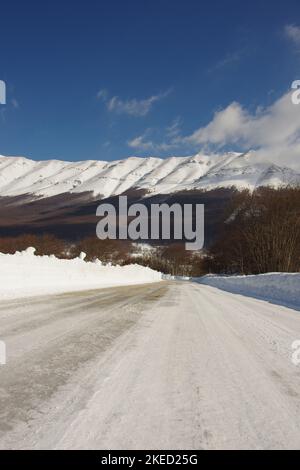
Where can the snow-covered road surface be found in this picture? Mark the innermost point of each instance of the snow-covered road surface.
(172, 365)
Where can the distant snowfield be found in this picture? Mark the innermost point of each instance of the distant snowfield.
(20, 176)
(280, 288)
(24, 275)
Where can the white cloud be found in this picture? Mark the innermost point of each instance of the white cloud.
(275, 124)
(171, 140)
(273, 131)
(226, 125)
(102, 94)
(231, 58)
(174, 129)
(132, 107)
(292, 32)
(145, 143)
(140, 143)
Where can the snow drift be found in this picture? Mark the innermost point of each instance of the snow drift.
(25, 274)
(280, 288)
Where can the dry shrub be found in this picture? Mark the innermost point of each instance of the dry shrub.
(262, 234)
(45, 244)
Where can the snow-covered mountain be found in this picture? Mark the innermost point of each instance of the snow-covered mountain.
(19, 175)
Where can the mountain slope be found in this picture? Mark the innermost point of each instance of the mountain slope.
(19, 175)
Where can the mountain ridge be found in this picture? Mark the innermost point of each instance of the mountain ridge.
(154, 175)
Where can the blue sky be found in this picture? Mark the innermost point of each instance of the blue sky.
(109, 79)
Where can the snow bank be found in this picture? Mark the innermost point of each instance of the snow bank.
(25, 274)
(281, 288)
(170, 277)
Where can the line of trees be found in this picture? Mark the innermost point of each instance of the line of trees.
(174, 259)
(261, 233)
(169, 259)
(113, 251)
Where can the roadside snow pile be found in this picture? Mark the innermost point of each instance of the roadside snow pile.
(170, 277)
(282, 288)
(25, 274)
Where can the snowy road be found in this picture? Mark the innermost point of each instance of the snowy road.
(159, 366)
